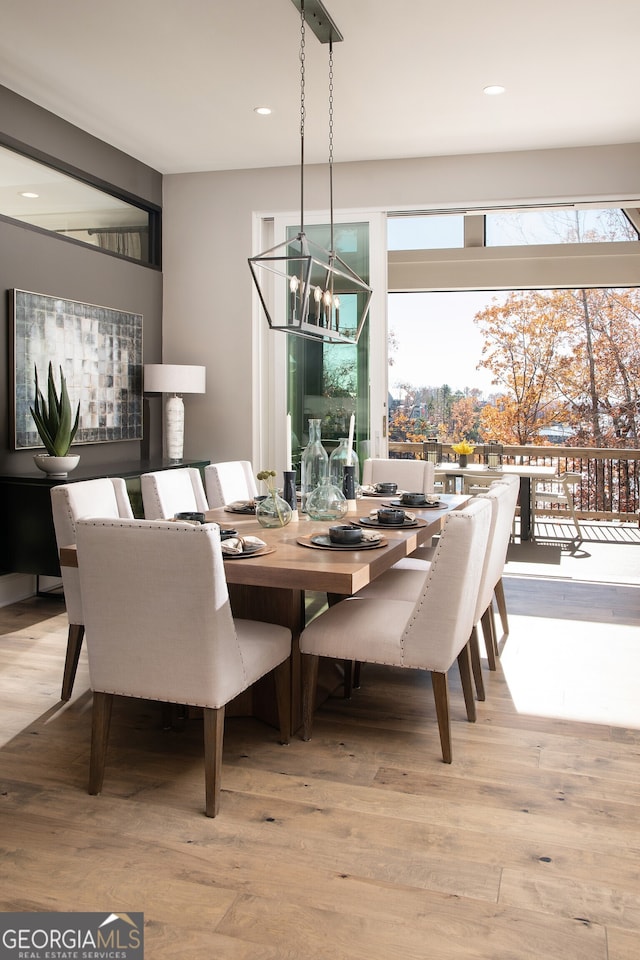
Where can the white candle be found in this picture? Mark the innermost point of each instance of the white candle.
(352, 423)
(288, 441)
(336, 303)
(317, 296)
(293, 287)
(327, 308)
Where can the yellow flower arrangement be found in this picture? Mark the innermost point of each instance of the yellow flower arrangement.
(463, 449)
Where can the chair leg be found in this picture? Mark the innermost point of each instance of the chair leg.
(74, 646)
(488, 632)
(464, 665)
(356, 674)
(213, 737)
(474, 649)
(347, 665)
(441, 697)
(282, 675)
(502, 606)
(573, 515)
(309, 683)
(100, 722)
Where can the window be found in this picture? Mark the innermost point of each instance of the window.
(48, 199)
(331, 381)
(433, 232)
(558, 226)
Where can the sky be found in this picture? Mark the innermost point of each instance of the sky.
(438, 342)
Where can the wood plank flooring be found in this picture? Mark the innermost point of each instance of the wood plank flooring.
(359, 845)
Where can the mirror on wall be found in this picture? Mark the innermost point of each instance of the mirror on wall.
(41, 196)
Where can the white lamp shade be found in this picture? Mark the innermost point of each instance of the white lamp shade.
(174, 378)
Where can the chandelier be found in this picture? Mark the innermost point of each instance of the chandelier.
(304, 289)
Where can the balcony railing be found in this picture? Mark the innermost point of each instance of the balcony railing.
(609, 488)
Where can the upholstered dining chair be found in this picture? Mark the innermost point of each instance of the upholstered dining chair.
(104, 497)
(503, 497)
(426, 633)
(416, 476)
(406, 578)
(167, 492)
(503, 538)
(160, 627)
(229, 481)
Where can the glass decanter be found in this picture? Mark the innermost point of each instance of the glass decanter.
(327, 502)
(314, 463)
(342, 457)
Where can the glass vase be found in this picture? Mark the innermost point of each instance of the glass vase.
(273, 511)
(327, 502)
(314, 463)
(343, 456)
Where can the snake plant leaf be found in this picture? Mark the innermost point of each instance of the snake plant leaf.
(53, 416)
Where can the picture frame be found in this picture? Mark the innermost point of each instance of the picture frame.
(100, 352)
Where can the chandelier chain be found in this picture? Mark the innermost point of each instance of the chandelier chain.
(303, 111)
(331, 242)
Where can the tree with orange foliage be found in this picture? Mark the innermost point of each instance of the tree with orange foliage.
(525, 348)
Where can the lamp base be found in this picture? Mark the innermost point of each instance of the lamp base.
(174, 429)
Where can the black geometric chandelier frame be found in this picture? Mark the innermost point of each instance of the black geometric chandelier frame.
(305, 290)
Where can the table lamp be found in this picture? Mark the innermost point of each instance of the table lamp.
(173, 379)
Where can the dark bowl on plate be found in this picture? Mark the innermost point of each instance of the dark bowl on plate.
(345, 533)
(190, 516)
(387, 488)
(413, 499)
(389, 515)
(226, 534)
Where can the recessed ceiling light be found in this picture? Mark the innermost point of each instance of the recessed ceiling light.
(263, 111)
(30, 195)
(493, 90)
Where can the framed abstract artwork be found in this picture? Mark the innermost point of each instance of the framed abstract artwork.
(100, 352)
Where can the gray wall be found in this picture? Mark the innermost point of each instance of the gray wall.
(208, 237)
(42, 263)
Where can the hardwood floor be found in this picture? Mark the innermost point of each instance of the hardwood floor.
(360, 844)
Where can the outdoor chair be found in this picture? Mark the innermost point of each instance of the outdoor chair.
(556, 492)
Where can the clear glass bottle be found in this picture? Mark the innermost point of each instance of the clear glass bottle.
(314, 463)
(327, 502)
(340, 458)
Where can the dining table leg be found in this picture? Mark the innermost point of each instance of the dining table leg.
(285, 607)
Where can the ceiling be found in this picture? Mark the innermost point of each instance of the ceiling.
(175, 84)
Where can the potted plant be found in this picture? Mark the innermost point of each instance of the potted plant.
(55, 425)
(464, 449)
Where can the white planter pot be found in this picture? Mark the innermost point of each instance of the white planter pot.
(56, 466)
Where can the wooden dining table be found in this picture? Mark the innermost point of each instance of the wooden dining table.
(273, 586)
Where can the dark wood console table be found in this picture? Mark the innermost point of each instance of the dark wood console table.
(27, 536)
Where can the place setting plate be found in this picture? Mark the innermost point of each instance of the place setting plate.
(322, 541)
(405, 525)
(416, 506)
(250, 550)
(241, 506)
